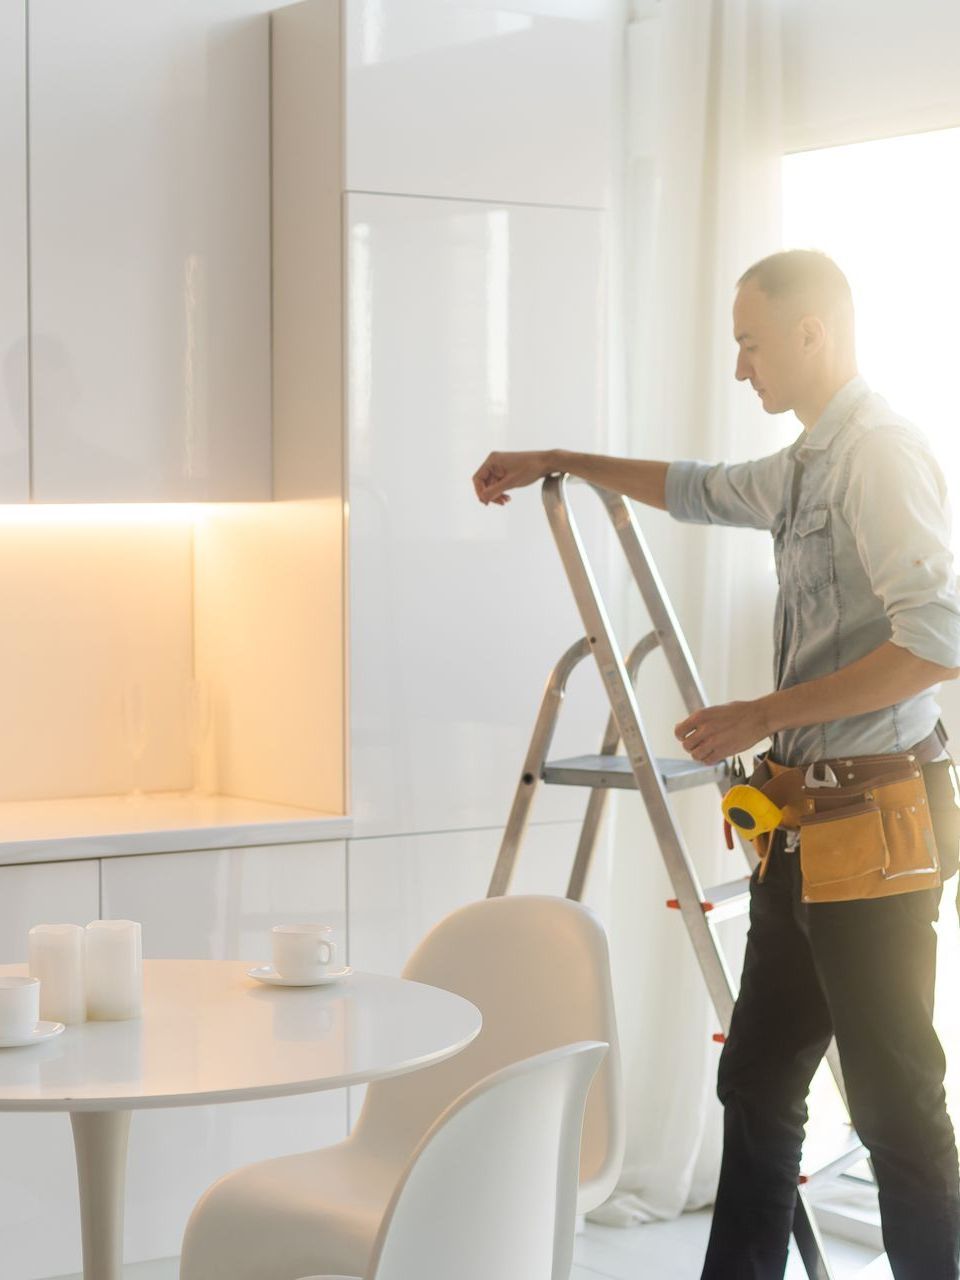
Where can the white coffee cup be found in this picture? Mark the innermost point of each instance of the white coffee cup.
(19, 1007)
(302, 952)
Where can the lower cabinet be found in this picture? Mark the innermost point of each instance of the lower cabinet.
(39, 1214)
(220, 905)
(217, 904)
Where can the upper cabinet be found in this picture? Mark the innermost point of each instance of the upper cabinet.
(476, 99)
(14, 412)
(148, 374)
(150, 249)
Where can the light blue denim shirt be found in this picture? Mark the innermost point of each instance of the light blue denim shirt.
(864, 558)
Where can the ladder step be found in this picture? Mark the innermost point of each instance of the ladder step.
(723, 901)
(851, 1152)
(615, 772)
(879, 1269)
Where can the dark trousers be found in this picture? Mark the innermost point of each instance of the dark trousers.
(863, 971)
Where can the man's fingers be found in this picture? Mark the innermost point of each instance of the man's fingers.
(489, 483)
(686, 727)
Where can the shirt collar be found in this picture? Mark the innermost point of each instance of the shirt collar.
(835, 416)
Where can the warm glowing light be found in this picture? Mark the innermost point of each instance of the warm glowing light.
(99, 514)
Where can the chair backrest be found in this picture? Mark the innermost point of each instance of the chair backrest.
(538, 969)
(491, 1191)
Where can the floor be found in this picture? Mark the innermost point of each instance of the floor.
(657, 1251)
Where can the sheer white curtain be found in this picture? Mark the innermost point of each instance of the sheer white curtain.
(701, 204)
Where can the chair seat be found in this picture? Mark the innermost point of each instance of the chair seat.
(275, 1219)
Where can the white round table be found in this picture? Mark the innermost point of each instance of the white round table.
(211, 1034)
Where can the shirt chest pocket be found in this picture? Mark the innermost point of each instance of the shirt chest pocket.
(813, 548)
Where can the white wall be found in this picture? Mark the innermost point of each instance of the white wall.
(858, 69)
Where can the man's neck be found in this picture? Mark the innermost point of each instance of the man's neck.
(811, 411)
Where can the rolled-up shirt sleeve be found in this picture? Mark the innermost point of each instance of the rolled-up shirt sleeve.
(897, 507)
(747, 494)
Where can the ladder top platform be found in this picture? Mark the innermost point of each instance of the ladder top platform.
(616, 771)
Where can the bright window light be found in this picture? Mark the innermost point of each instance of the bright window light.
(888, 212)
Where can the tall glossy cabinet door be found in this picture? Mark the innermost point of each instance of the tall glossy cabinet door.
(472, 327)
(150, 250)
(483, 100)
(14, 394)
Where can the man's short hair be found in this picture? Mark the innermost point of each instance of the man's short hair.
(805, 277)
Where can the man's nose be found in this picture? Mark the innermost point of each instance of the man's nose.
(742, 372)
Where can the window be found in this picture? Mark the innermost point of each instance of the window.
(889, 213)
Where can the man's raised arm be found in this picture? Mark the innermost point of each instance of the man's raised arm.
(642, 481)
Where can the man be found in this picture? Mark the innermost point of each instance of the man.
(867, 624)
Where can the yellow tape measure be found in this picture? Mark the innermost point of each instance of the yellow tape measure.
(750, 811)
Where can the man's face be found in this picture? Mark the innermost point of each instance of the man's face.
(770, 349)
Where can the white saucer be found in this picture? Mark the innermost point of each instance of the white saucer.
(42, 1031)
(267, 973)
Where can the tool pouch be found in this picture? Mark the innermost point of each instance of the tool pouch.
(782, 786)
(871, 836)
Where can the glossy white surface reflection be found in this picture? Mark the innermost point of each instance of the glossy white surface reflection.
(473, 327)
(105, 826)
(150, 250)
(62, 893)
(478, 99)
(209, 1033)
(14, 421)
(222, 904)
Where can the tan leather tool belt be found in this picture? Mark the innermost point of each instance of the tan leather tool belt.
(864, 823)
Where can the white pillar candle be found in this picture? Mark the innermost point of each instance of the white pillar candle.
(56, 958)
(114, 970)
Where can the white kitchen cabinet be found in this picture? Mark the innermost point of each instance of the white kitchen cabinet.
(401, 886)
(14, 393)
(38, 1172)
(220, 905)
(150, 250)
(472, 327)
(54, 893)
(481, 100)
(459, 326)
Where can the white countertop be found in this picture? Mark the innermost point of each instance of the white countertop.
(108, 826)
(211, 1034)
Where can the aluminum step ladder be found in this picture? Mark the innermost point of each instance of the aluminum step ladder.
(656, 779)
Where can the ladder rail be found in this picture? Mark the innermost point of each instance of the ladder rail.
(649, 583)
(547, 717)
(625, 726)
(532, 772)
(596, 805)
(600, 637)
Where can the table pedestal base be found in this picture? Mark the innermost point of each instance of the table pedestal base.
(100, 1140)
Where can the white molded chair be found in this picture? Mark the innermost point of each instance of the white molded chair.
(538, 969)
(491, 1192)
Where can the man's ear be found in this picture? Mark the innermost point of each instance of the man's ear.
(813, 334)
